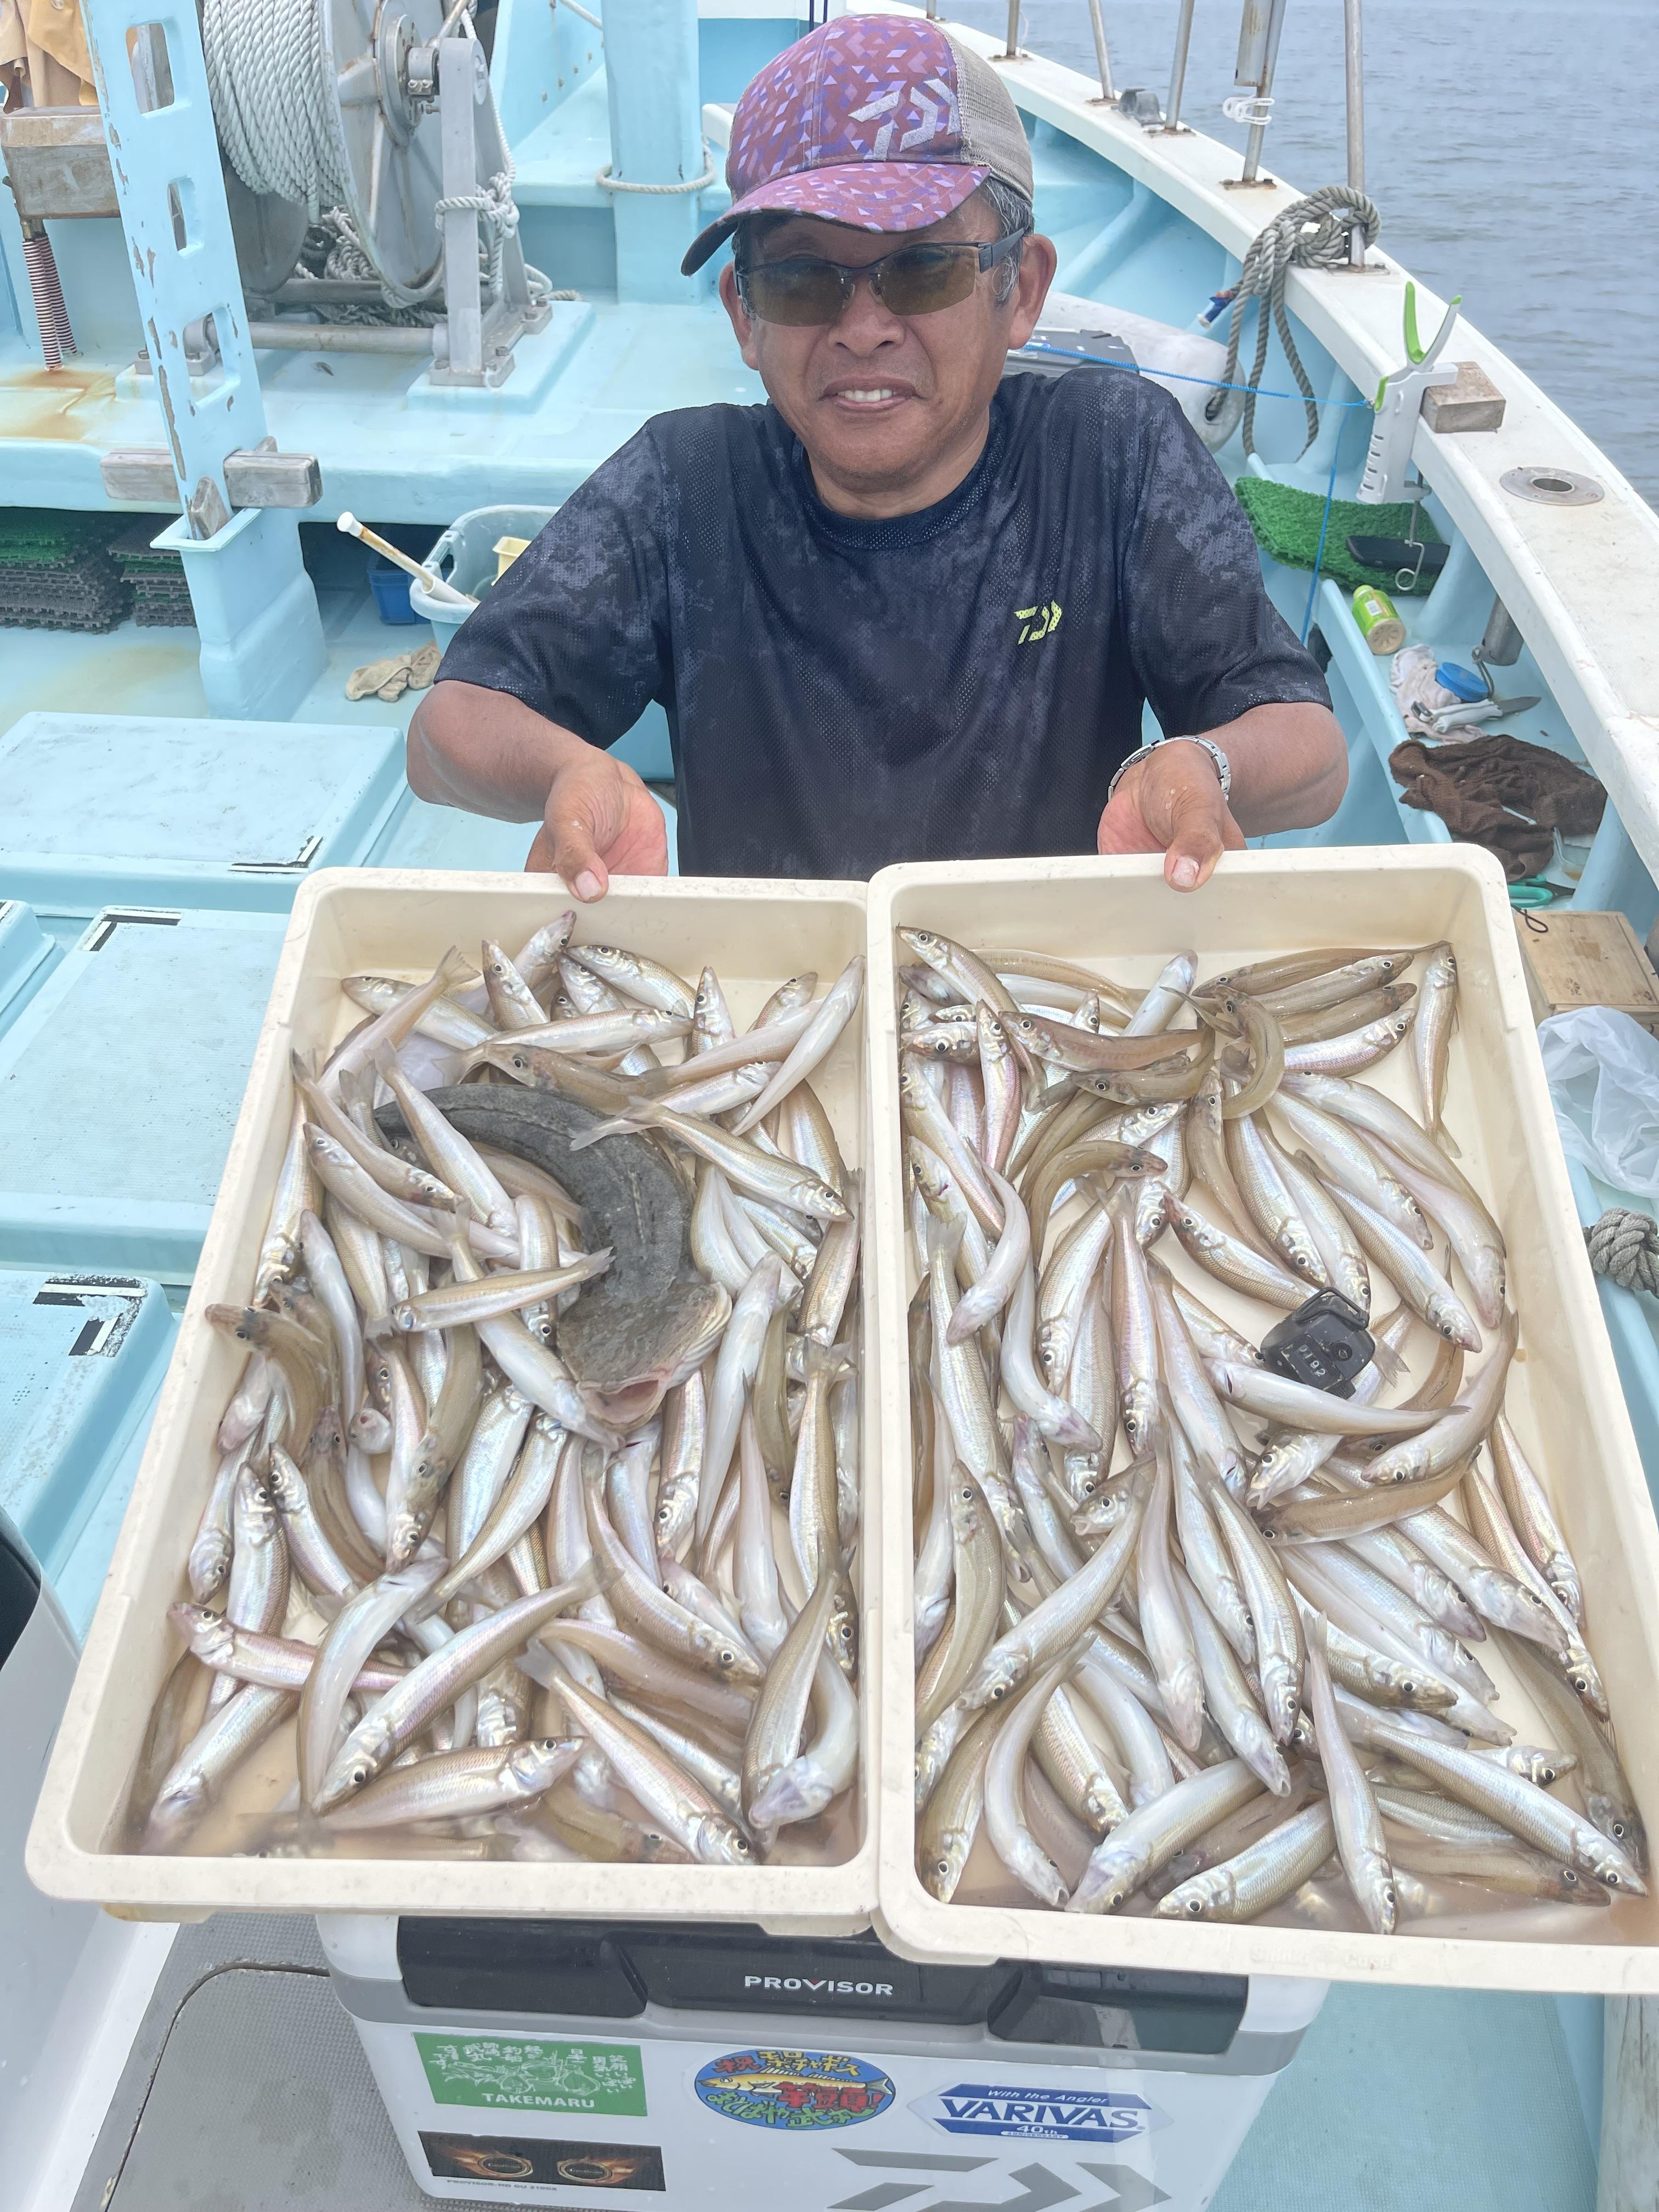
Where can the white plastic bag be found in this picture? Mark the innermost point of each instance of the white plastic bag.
(1603, 1070)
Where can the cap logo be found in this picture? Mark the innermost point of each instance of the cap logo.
(929, 110)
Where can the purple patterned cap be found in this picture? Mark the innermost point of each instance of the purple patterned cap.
(884, 122)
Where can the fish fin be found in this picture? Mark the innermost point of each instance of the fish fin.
(455, 969)
(307, 1067)
(1388, 1364)
(1447, 1144)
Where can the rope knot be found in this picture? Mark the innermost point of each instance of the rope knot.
(1311, 234)
(1624, 1246)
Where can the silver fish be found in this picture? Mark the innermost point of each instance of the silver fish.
(1359, 1835)
(1154, 1833)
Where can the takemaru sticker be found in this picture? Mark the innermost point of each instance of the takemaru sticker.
(794, 2089)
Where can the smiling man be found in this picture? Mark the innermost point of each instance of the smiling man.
(907, 610)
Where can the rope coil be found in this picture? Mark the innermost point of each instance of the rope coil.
(1624, 1246)
(1314, 233)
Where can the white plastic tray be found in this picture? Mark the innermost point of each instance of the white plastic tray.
(757, 934)
(1564, 1393)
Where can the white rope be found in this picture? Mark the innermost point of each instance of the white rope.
(268, 82)
(607, 183)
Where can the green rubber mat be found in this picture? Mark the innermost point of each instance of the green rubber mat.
(1287, 523)
(45, 536)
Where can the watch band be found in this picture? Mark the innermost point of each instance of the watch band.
(1222, 764)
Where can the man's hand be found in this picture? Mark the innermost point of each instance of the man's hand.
(1289, 768)
(1171, 803)
(483, 750)
(599, 819)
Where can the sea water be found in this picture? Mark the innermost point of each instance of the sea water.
(1509, 144)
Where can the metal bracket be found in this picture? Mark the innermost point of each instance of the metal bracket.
(262, 477)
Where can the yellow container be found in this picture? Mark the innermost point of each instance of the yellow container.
(1379, 622)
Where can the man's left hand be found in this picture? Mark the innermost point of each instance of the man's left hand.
(1171, 803)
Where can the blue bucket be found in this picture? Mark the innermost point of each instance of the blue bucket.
(390, 585)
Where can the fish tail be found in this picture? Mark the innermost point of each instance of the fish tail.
(455, 969)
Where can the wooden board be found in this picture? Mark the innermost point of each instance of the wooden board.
(1587, 959)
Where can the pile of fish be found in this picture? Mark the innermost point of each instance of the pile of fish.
(536, 1506)
(1236, 1666)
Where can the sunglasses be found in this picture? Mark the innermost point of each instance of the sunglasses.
(803, 290)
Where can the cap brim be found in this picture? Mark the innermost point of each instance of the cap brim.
(884, 196)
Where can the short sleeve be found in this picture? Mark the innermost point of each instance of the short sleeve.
(578, 628)
(1207, 643)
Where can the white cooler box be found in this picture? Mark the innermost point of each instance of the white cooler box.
(645, 2067)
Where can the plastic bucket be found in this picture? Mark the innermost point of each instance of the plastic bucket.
(466, 557)
(390, 585)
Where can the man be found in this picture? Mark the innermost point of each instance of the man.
(907, 611)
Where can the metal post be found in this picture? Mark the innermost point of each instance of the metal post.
(1102, 55)
(460, 73)
(1353, 45)
(1178, 66)
(1264, 91)
(656, 138)
(1013, 53)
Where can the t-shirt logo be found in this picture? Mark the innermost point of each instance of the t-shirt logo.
(1037, 622)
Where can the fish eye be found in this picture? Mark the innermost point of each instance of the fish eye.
(728, 1658)
(1569, 1878)
(1409, 1689)
(1194, 1906)
(1580, 1684)
(998, 1694)
(1617, 1831)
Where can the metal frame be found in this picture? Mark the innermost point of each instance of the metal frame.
(262, 640)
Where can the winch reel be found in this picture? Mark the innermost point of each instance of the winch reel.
(326, 105)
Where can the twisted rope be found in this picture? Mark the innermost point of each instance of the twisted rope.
(1624, 1246)
(607, 183)
(269, 84)
(1314, 233)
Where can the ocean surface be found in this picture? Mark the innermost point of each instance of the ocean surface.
(1512, 145)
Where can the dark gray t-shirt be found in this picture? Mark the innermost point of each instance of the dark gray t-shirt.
(956, 683)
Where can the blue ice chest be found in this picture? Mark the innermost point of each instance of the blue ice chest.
(25, 948)
(81, 1358)
(100, 809)
(119, 1086)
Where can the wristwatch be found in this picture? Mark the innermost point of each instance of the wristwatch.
(1223, 766)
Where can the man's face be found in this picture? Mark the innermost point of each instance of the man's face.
(883, 404)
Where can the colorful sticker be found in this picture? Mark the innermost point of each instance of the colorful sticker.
(539, 2163)
(793, 2088)
(984, 2108)
(516, 2074)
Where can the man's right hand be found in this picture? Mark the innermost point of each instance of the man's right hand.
(487, 751)
(599, 820)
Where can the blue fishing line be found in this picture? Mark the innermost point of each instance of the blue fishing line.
(1319, 552)
(1176, 376)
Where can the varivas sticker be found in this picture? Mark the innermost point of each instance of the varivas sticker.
(984, 2108)
(794, 2089)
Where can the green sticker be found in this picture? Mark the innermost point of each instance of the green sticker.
(520, 2075)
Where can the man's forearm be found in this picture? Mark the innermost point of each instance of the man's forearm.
(486, 752)
(1290, 765)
